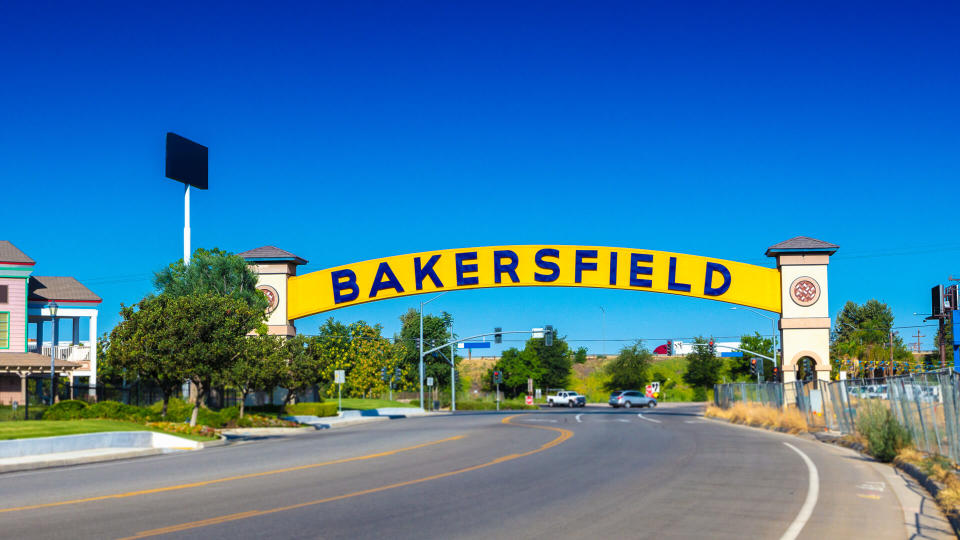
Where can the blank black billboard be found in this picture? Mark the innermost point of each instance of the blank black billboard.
(186, 161)
(936, 301)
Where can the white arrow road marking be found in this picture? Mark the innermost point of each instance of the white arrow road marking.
(642, 417)
(578, 418)
(813, 491)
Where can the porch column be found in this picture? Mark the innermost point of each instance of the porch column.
(76, 330)
(40, 336)
(93, 355)
(23, 389)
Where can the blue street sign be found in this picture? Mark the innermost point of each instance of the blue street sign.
(734, 354)
(474, 345)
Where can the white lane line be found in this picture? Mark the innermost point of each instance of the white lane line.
(537, 420)
(642, 417)
(813, 491)
(578, 418)
(623, 420)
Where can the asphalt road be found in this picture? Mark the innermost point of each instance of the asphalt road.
(570, 473)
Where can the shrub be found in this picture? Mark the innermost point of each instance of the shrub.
(311, 409)
(264, 409)
(492, 405)
(114, 410)
(177, 428)
(65, 410)
(884, 435)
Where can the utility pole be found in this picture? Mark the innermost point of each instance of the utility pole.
(918, 336)
(891, 352)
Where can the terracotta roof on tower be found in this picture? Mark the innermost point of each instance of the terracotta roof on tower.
(61, 289)
(802, 244)
(271, 253)
(10, 254)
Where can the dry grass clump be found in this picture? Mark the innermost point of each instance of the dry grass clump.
(755, 414)
(940, 469)
(793, 421)
(716, 412)
(910, 455)
(949, 496)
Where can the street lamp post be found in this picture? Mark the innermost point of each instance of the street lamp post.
(773, 322)
(53, 350)
(421, 342)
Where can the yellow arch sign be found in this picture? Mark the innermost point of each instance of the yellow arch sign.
(533, 266)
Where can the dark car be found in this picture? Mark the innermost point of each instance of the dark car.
(631, 398)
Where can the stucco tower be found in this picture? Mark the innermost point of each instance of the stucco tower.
(273, 266)
(805, 316)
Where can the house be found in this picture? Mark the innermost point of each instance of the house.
(26, 299)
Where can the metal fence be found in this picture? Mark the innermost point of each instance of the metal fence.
(770, 394)
(927, 404)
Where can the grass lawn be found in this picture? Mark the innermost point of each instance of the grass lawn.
(53, 428)
(6, 412)
(358, 404)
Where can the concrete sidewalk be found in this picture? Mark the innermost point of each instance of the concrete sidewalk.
(44, 452)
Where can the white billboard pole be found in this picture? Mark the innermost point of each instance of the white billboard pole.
(186, 224)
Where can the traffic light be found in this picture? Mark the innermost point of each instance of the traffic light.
(753, 366)
(497, 377)
(383, 373)
(669, 347)
(776, 374)
(497, 336)
(548, 335)
(712, 349)
(396, 373)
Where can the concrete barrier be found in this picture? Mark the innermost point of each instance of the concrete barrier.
(90, 441)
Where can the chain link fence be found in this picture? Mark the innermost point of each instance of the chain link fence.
(927, 404)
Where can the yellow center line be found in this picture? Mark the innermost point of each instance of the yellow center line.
(232, 478)
(564, 435)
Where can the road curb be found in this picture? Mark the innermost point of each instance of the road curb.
(933, 487)
(80, 460)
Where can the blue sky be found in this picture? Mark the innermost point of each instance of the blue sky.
(349, 131)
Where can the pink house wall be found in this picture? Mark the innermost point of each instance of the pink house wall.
(17, 306)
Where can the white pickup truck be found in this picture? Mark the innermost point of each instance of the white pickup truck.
(567, 398)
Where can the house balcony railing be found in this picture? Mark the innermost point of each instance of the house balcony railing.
(69, 353)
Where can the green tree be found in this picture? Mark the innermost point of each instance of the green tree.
(215, 272)
(436, 331)
(555, 360)
(861, 341)
(260, 366)
(740, 367)
(517, 366)
(703, 369)
(361, 351)
(204, 335)
(139, 348)
(630, 369)
(107, 370)
(580, 356)
(303, 369)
